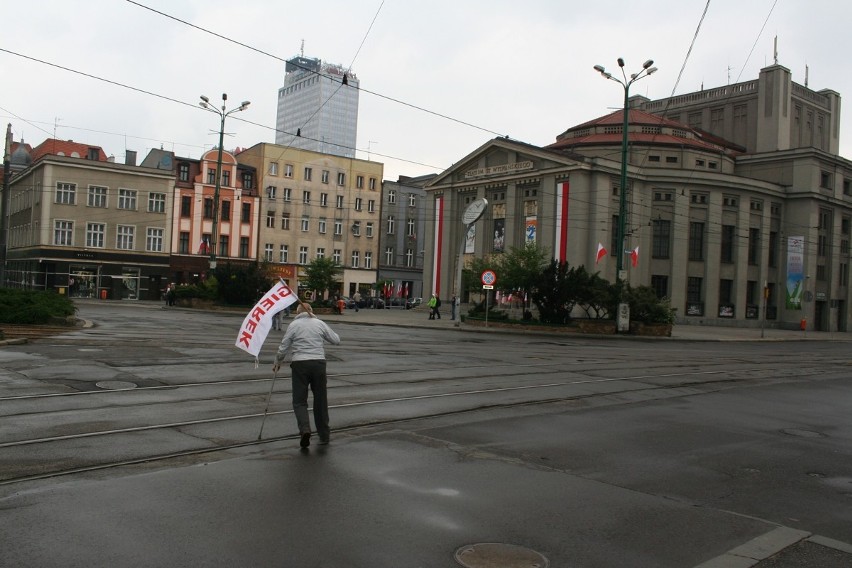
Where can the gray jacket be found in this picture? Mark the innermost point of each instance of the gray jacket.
(304, 338)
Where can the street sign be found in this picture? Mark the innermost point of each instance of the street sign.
(489, 278)
(487, 287)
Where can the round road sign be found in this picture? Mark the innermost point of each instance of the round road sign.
(489, 278)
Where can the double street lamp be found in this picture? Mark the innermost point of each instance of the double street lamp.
(223, 114)
(647, 69)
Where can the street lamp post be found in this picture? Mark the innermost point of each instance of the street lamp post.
(223, 114)
(647, 69)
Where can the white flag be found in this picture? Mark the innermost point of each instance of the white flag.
(256, 325)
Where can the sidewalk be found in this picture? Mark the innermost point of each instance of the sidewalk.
(419, 317)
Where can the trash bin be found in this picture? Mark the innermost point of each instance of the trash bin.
(103, 294)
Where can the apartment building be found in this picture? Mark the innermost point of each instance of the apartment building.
(315, 205)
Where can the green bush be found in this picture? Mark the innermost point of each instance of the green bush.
(33, 307)
(646, 307)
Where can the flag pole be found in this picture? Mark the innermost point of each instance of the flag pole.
(268, 398)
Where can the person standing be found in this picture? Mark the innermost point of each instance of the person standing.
(357, 299)
(431, 303)
(453, 304)
(303, 344)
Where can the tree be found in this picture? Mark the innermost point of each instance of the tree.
(554, 293)
(646, 307)
(520, 268)
(321, 275)
(238, 285)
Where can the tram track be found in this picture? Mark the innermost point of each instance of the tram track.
(696, 382)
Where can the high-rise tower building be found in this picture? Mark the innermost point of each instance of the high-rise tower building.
(318, 108)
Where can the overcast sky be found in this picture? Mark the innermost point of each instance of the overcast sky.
(501, 67)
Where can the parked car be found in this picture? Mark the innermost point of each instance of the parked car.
(413, 303)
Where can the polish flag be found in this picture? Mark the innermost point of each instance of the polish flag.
(634, 257)
(600, 254)
(405, 290)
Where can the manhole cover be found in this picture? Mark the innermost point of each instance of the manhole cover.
(499, 555)
(115, 385)
(803, 433)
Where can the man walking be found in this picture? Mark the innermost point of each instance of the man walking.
(304, 344)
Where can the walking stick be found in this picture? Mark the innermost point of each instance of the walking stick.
(268, 398)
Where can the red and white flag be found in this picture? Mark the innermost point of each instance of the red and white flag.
(256, 325)
(204, 247)
(600, 254)
(405, 290)
(634, 257)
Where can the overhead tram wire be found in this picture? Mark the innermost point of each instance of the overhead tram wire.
(386, 97)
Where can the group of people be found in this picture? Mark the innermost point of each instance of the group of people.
(434, 304)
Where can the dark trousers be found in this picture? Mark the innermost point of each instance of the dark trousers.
(310, 374)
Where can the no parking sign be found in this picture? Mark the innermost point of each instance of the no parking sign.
(488, 279)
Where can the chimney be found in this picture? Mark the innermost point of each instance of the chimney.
(130, 157)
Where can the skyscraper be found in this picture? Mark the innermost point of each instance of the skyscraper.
(319, 102)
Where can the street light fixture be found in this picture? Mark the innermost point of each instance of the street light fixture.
(223, 114)
(647, 69)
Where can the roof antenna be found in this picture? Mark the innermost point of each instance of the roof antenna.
(303, 48)
(806, 75)
(776, 50)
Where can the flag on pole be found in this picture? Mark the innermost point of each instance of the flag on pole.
(634, 257)
(204, 247)
(256, 325)
(600, 254)
(405, 290)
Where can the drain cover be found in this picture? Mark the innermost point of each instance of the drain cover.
(115, 385)
(499, 555)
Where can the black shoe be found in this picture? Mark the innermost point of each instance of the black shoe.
(324, 441)
(305, 441)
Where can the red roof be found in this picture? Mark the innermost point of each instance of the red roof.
(637, 119)
(56, 147)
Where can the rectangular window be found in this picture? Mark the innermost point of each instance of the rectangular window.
(246, 215)
(185, 206)
(726, 292)
(286, 194)
(373, 184)
(389, 255)
(208, 208)
(356, 228)
(127, 199)
(271, 191)
(309, 172)
(339, 202)
(325, 176)
(753, 246)
(183, 243)
(727, 255)
(226, 211)
(270, 219)
(285, 221)
(409, 227)
(358, 202)
(288, 170)
(183, 172)
(284, 254)
(66, 193)
(95, 235)
(306, 224)
(368, 259)
(248, 180)
(124, 235)
(773, 249)
(156, 202)
(273, 168)
(323, 200)
(391, 224)
(356, 258)
(63, 233)
(693, 290)
(412, 200)
(409, 258)
(320, 252)
(662, 239)
(338, 227)
(341, 178)
(224, 245)
(226, 178)
(825, 180)
(336, 256)
(322, 225)
(211, 176)
(391, 196)
(98, 196)
(154, 240)
(696, 241)
(306, 197)
(359, 182)
(244, 247)
(267, 252)
(660, 284)
(371, 206)
(303, 255)
(369, 231)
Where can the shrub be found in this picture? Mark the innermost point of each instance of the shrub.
(33, 306)
(646, 307)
